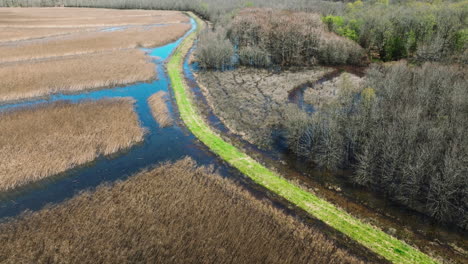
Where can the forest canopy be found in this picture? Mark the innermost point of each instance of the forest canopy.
(387, 30)
(403, 133)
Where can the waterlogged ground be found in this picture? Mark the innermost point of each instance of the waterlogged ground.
(243, 98)
(50, 50)
(174, 142)
(251, 101)
(159, 145)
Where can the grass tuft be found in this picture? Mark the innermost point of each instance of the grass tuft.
(159, 109)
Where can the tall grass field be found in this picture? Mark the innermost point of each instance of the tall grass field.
(175, 213)
(41, 141)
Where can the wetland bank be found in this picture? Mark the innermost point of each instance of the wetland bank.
(159, 141)
(172, 140)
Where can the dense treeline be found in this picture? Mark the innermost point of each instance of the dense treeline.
(415, 30)
(288, 38)
(215, 51)
(388, 30)
(404, 133)
(214, 10)
(420, 30)
(265, 37)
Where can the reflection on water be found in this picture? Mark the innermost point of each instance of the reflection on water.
(120, 28)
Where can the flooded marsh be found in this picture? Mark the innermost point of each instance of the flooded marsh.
(73, 74)
(45, 140)
(175, 213)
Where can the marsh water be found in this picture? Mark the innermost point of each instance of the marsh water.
(175, 142)
(159, 145)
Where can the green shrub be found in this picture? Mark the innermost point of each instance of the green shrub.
(396, 31)
(337, 24)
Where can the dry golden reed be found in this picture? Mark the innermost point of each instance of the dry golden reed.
(84, 17)
(172, 214)
(19, 34)
(76, 73)
(93, 42)
(41, 141)
(159, 109)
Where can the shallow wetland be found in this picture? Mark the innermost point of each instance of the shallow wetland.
(244, 106)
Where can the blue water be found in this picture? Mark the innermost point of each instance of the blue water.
(160, 145)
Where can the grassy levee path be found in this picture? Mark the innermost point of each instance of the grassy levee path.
(394, 250)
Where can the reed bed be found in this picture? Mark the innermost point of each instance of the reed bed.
(41, 141)
(176, 213)
(94, 42)
(32, 79)
(20, 34)
(159, 109)
(83, 17)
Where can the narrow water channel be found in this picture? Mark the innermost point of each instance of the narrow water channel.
(159, 145)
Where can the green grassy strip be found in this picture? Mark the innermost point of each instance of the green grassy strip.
(371, 237)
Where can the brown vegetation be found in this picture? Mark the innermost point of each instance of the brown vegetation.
(28, 23)
(84, 17)
(251, 101)
(172, 214)
(17, 34)
(45, 140)
(24, 80)
(100, 63)
(403, 134)
(266, 37)
(92, 42)
(214, 10)
(159, 109)
(327, 92)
